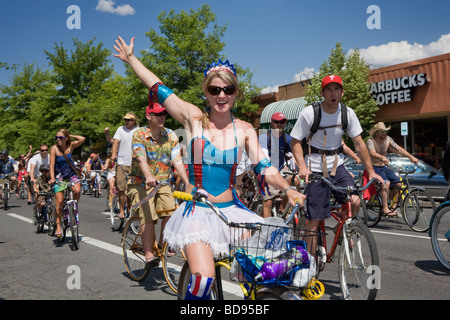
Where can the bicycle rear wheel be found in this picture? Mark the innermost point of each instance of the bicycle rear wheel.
(358, 263)
(73, 223)
(418, 207)
(440, 236)
(172, 262)
(133, 250)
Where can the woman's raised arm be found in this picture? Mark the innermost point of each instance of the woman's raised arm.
(181, 110)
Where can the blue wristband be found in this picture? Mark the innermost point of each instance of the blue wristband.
(162, 92)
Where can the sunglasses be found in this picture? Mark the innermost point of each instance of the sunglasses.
(127, 120)
(60, 137)
(162, 114)
(279, 121)
(44, 150)
(228, 90)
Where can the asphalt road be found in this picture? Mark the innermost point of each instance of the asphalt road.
(34, 267)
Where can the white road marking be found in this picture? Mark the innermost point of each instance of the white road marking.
(228, 286)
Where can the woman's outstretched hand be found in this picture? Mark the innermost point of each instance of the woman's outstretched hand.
(124, 51)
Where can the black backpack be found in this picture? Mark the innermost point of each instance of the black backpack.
(318, 116)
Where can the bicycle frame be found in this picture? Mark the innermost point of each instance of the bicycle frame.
(342, 221)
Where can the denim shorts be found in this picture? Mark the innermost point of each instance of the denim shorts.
(387, 174)
(318, 194)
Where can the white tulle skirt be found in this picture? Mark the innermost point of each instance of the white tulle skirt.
(203, 225)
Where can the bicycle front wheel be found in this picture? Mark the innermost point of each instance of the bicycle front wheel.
(172, 262)
(418, 207)
(51, 223)
(440, 236)
(373, 210)
(133, 250)
(116, 222)
(74, 227)
(359, 264)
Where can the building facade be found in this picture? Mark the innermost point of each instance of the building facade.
(413, 98)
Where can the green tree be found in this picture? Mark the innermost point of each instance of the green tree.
(20, 118)
(179, 53)
(354, 72)
(82, 97)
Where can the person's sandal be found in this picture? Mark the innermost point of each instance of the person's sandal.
(152, 263)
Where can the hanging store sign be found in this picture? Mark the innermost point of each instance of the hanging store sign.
(396, 90)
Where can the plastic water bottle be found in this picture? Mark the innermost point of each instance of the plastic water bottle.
(275, 269)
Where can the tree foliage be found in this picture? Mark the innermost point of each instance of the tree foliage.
(81, 92)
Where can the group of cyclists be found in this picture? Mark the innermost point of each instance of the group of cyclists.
(142, 157)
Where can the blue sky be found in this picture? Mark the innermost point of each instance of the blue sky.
(277, 40)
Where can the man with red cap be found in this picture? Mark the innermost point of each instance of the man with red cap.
(324, 150)
(154, 150)
(276, 144)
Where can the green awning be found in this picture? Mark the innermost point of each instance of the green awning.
(290, 108)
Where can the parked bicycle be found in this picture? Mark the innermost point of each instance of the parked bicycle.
(266, 259)
(439, 232)
(46, 215)
(358, 254)
(70, 219)
(415, 204)
(133, 249)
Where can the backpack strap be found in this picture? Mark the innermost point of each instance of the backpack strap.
(316, 126)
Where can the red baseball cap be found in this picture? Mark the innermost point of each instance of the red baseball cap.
(278, 116)
(332, 79)
(155, 108)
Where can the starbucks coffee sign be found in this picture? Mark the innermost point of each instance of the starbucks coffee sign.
(396, 90)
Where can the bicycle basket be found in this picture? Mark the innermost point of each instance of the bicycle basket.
(274, 255)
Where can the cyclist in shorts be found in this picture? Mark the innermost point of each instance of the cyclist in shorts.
(62, 168)
(94, 165)
(327, 152)
(42, 184)
(7, 169)
(154, 150)
(215, 143)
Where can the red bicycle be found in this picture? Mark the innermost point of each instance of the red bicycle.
(358, 255)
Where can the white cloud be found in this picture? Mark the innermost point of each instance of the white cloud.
(109, 6)
(399, 52)
(269, 90)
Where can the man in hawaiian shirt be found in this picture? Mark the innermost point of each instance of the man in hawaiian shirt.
(154, 150)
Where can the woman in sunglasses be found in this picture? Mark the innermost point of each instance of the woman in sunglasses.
(62, 169)
(216, 140)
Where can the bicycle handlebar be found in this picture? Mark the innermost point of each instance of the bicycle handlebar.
(202, 195)
(348, 189)
(401, 171)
